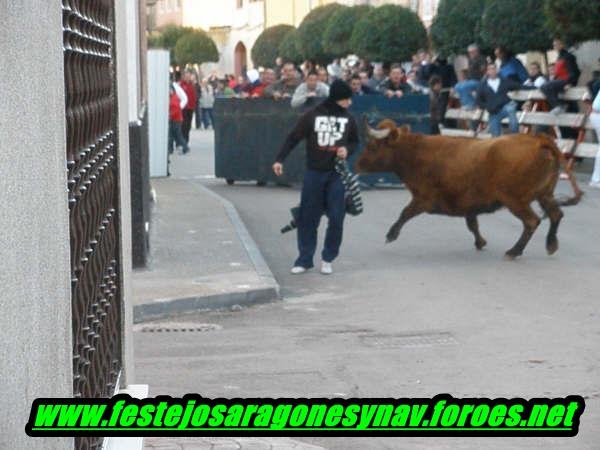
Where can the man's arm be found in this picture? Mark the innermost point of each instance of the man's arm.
(481, 97)
(299, 97)
(183, 99)
(299, 132)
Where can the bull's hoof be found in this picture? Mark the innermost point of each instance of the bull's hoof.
(391, 236)
(552, 246)
(480, 244)
(511, 255)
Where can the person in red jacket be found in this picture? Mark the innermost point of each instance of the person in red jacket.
(567, 74)
(177, 101)
(188, 112)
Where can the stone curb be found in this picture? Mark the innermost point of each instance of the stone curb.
(172, 306)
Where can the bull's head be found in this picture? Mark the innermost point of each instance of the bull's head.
(382, 146)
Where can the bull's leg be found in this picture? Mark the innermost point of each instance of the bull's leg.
(473, 226)
(413, 209)
(550, 207)
(530, 222)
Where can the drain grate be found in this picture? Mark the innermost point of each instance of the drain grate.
(177, 327)
(408, 340)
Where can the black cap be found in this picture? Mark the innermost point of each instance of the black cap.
(339, 90)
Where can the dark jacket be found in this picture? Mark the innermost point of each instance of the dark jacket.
(476, 68)
(389, 86)
(566, 68)
(325, 128)
(446, 72)
(514, 69)
(492, 101)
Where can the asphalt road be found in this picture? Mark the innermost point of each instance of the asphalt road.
(427, 314)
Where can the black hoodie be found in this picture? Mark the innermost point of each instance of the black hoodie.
(325, 128)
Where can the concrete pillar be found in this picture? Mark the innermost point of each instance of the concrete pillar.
(35, 299)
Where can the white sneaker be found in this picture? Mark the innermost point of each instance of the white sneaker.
(595, 184)
(297, 270)
(326, 268)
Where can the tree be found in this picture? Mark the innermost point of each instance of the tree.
(389, 33)
(154, 41)
(310, 33)
(288, 49)
(456, 26)
(195, 47)
(518, 25)
(171, 34)
(266, 48)
(575, 21)
(336, 37)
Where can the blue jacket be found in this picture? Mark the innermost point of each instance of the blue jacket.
(513, 69)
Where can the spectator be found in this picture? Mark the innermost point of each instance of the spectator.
(510, 66)
(595, 119)
(411, 80)
(285, 87)
(594, 83)
(435, 104)
(551, 72)
(223, 90)
(188, 112)
(536, 78)
(567, 74)
(197, 111)
(267, 78)
(467, 87)
(311, 88)
(176, 106)
(492, 96)
(241, 85)
(335, 70)
(447, 74)
(323, 75)
(364, 79)
(358, 87)
(396, 85)
(378, 77)
(207, 102)
(278, 67)
(425, 71)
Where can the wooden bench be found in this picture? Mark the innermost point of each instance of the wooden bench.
(534, 118)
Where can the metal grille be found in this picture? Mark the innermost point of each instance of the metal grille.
(93, 189)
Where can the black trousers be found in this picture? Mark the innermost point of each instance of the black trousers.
(551, 90)
(188, 115)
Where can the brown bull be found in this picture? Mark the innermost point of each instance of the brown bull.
(466, 177)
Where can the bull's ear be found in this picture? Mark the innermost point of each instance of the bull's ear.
(404, 129)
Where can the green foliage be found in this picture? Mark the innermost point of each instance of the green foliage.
(336, 37)
(518, 25)
(288, 49)
(171, 34)
(195, 47)
(310, 33)
(575, 21)
(388, 33)
(266, 48)
(456, 26)
(154, 41)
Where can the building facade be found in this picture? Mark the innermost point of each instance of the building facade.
(234, 25)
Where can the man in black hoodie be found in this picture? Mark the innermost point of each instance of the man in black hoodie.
(492, 96)
(330, 132)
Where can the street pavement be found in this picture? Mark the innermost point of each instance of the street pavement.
(427, 314)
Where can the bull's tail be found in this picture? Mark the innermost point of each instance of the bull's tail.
(562, 162)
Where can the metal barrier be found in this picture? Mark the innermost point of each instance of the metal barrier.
(93, 192)
(250, 132)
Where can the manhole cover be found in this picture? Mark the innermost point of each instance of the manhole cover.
(408, 340)
(176, 327)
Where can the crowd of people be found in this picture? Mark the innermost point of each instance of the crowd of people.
(483, 85)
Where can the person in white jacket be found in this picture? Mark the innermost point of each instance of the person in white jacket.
(595, 119)
(207, 101)
(312, 87)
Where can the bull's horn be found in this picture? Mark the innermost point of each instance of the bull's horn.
(378, 134)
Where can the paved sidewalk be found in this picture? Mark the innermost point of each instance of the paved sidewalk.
(202, 256)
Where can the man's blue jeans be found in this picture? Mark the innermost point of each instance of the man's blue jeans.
(509, 110)
(176, 137)
(322, 193)
(466, 92)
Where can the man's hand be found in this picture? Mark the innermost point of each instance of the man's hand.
(278, 169)
(276, 95)
(399, 94)
(389, 93)
(286, 95)
(342, 152)
(311, 94)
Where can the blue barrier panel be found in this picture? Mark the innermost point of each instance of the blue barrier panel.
(250, 132)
